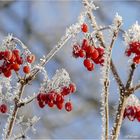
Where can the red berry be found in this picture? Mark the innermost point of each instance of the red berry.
(72, 87)
(51, 95)
(16, 67)
(90, 50)
(136, 59)
(68, 106)
(19, 60)
(59, 98)
(38, 96)
(1, 55)
(94, 55)
(85, 44)
(135, 47)
(87, 63)
(8, 54)
(138, 113)
(50, 103)
(7, 73)
(131, 112)
(30, 58)
(76, 49)
(128, 52)
(16, 52)
(91, 68)
(59, 105)
(41, 104)
(100, 50)
(13, 58)
(26, 69)
(3, 108)
(82, 53)
(65, 91)
(84, 28)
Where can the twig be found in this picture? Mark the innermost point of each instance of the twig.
(130, 77)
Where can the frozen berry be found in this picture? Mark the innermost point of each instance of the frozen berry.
(30, 58)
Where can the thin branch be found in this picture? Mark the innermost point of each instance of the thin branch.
(108, 27)
(130, 77)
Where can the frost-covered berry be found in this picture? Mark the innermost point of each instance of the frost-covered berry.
(31, 58)
(76, 50)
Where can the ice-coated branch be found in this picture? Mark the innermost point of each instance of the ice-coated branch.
(105, 73)
(12, 116)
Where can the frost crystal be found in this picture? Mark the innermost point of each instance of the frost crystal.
(8, 43)
(132, 101)
(133, 34)
(59, 80)
(117, 19)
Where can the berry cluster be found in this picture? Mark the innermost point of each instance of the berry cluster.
(134, 47)
(3, 108)
(12, 60)
(54, 98)
(90, 53)
(132, 113)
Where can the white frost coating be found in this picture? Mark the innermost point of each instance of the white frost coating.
(8, 43)
(5, 84)
(105, 75)
(132, 101)
(29, 125)
(5, 129)
(90, 5)
(117, 20)
(133, 34)
(59, 80)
